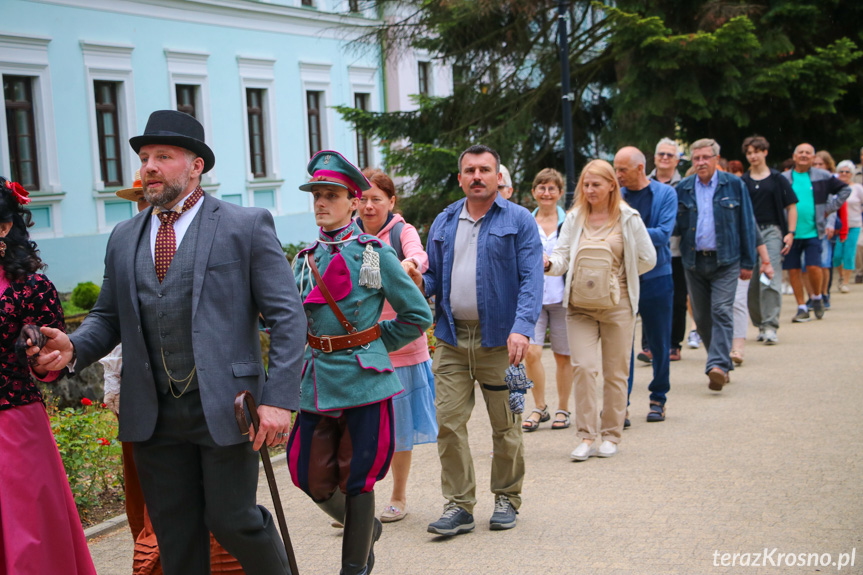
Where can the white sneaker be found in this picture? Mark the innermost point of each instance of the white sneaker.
(583, 451)
(694, 340)
(607, 449)
(770, 337)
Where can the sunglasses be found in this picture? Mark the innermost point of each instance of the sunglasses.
(665, 154)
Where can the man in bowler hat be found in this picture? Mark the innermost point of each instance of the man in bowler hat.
(184, 285)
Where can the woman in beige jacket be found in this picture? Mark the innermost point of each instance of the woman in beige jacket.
(602, 249)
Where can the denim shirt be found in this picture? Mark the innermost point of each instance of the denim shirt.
(663, 213)
(705, 228)
(734, 221)
(509, 275)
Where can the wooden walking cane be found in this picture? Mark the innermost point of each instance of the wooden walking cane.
(245, 399)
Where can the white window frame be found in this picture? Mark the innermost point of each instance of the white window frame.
(22, 55)
(260, 73)
(110, 62)
(190, 68)
(316, 77)
(363, 81)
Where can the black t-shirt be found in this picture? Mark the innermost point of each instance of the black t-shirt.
(769, 198)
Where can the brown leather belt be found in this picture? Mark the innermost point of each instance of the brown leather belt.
(329, 344)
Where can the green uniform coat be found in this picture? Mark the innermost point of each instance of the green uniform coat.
(357, 376)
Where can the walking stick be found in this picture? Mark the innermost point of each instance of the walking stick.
(245, 399)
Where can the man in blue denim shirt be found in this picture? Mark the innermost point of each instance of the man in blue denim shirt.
(717, 242)
(657, 205)
(485, 271)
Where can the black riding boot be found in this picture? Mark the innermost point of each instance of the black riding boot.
(334, 506)
(362, 529)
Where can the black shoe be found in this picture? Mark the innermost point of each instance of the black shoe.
(454, 521)
(810, 304)
(656, 413)
(362, 529)
(818, 306)
(645, 356)
(626, 422)
(802, 316)
(504, 514)
(335, 507)
(376, 534)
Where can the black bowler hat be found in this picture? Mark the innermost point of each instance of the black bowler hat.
(175, 129)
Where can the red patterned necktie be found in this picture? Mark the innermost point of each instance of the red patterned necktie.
(166, 239)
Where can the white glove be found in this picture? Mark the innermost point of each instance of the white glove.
(112, 402)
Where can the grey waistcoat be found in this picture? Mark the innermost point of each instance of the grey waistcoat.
(166, 310)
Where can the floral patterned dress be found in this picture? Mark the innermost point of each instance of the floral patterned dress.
(40, 531)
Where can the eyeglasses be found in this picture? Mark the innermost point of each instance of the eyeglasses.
(665, 154)
(844, 171)
(701, 159)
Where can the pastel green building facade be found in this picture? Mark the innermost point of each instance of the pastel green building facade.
(82, 76)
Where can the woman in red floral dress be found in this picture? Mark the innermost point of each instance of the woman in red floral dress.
(40, 531)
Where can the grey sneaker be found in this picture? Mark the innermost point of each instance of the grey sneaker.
(802, 316)
(770, 337)
(818, 308)
(760, 334)
(454, 520)
(504, 514)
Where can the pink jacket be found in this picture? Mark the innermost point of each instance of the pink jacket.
(417, 351)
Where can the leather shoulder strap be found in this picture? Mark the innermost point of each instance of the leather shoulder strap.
(328, 296)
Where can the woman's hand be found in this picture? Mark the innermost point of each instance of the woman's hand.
(408, 265)
(30, 338)
(415, 275)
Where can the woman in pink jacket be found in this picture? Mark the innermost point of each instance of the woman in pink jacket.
(413, 409)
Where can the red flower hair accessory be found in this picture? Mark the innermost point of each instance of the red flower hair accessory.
(21, 195)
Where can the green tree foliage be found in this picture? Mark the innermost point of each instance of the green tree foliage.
(641, 70)
(789, 70)
(506, 92)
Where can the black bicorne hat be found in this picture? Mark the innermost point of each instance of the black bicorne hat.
(175, 129)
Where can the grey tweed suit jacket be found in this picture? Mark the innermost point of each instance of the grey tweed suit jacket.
(240, 270)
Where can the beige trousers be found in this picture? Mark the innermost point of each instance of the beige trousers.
(455, 371)
(589, 331)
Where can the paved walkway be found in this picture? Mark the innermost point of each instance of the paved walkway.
(773, 461)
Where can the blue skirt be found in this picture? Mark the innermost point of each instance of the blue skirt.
(413, 409)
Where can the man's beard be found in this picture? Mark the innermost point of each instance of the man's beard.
(171, 190)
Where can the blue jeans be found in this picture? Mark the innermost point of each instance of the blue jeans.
(654, 306)
(711, 291)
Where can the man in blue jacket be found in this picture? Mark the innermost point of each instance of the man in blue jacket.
(717, 242)
(657, 205)
(485, 272)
